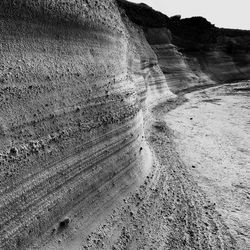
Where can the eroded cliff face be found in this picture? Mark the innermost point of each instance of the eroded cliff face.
(76, 82)
(185, 68)
(192, 52)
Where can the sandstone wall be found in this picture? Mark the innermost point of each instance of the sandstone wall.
(184, 69)
(222, 66)
(181, 72)
(76, 82)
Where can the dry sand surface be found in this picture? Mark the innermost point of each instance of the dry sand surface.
(197, 195)
(212, 134)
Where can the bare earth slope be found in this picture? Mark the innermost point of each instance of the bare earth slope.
(212, 135)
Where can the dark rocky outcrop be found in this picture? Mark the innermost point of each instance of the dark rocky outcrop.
(77, 80)
(192, 51)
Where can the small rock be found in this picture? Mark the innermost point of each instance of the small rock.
(13, 151)
(64, 223)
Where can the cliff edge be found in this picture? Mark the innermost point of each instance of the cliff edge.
(192, 51)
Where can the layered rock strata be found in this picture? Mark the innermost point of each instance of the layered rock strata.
(75, 82)
(186, 69)
(192, 52)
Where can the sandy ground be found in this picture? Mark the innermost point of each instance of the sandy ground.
(197, 195)
(212, 134)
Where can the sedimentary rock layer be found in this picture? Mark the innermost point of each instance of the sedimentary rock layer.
(180, 72)
(192, 52)
(74, 84)
(185, 69)
(77, 82)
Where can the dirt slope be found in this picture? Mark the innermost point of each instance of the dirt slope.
(212, 135)
(170, 210)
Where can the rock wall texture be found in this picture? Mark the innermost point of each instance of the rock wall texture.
(77, 81)
(192, 52)
(185, 68)
(75, 84)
